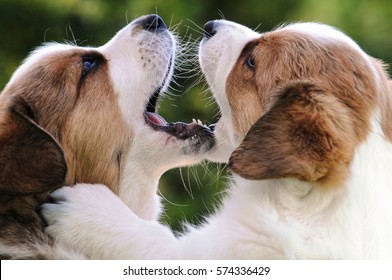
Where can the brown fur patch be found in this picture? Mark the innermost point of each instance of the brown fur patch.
(95, 135)
(31, 161)
(306, 135)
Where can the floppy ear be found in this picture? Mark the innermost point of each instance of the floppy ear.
(305, 134)
(31, 160)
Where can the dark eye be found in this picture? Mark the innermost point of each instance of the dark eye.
(250, 62)
(88, 64)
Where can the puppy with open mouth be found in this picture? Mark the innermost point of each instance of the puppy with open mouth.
(72, 115)
(306, 129)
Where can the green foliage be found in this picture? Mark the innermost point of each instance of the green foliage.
(189, 193)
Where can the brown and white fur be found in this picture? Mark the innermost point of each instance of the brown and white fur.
(73, 115)
(306, 129)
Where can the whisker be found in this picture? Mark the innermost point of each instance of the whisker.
(170, 202)
(257, 27)
(72, 34)
(220, 13)
(126, 16)
(201, 29)
(189, 191)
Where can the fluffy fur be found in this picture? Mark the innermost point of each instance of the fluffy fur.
(306, 128)
(87, 115)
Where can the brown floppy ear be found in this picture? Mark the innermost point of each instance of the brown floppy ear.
(306, 134)
(31, 160)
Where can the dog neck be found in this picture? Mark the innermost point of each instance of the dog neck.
(138, 189)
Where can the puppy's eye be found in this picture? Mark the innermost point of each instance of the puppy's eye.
(88, 64)
(250, 62)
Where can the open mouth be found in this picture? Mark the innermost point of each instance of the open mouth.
(180, 130)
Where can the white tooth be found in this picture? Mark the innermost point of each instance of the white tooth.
(194, 121)
(199, 122)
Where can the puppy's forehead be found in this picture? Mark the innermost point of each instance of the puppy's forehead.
(322, 33)
(50, 51)
(307, 46)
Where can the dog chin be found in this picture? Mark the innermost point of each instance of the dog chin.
(226, 141)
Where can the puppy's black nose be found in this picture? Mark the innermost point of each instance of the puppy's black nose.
(209, 29)
(153, 23)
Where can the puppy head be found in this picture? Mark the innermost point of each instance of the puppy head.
(301, 98)
(98, 105)
(71, 97)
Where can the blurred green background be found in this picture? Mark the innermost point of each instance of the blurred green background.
(188, 193)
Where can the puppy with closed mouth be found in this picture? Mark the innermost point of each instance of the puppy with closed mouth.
(71, 115)
(306, 129)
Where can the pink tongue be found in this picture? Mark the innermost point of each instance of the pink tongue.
(156, 119)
